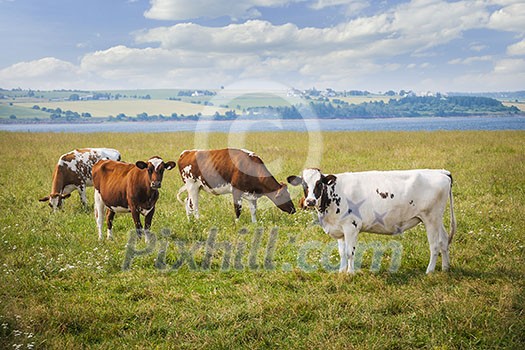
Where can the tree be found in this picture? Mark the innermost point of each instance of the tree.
(74, 97)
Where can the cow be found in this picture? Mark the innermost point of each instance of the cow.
(73, 172)
(230, 170)
(383, 202)
(127, 188)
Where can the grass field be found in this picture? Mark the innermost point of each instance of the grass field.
(130, 107)
(20, 112)
(22, 107)
(62, 289)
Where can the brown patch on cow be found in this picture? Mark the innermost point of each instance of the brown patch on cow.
(245, 172)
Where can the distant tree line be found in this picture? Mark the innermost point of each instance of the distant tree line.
(410, 106)
(58, 113)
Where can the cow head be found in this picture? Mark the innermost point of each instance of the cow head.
(314, 185)
(155, 168)
(55, 200)
(282, 199)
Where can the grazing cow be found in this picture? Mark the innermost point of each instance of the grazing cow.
(230, 170)
(124, 187)
(73, 172)
(384, 202)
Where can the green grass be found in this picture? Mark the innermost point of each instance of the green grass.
(21, 112)
(62, 289)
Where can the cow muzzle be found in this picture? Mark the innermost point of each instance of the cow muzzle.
(155, 185)
(310, 202)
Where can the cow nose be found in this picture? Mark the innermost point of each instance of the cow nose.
(310, 202)
(155, 184)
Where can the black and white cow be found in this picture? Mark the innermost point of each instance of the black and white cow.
(384, 202)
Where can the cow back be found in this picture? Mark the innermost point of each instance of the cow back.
(111, 179)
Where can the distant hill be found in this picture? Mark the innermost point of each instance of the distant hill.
(176, 104)
(410, 106)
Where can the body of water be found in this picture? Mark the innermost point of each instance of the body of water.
(300, 125)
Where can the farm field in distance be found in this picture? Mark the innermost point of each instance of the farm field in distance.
(62, 288)
(131, 107)
(158, 102)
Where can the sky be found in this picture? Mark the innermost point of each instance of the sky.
(419, 45)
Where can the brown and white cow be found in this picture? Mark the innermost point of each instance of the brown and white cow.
(73, 172)
(230, 170)
(123, 187)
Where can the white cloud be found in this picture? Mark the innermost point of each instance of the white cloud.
(478, 47)
(517, 49)
(43, 73)
(408, 28)
(235, 9)
(507, 74)
(352, 7)
(510, 66)
(509, 18)
(391, 47)
(470, 60)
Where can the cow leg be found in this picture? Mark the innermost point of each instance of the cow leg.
(147, 223)
(110, 215)
(445, 257)
(253, 209)
(135, 214)
(83, 197)
(99, 213)
(237, 203)
(344, 260)
(433, 229)
(192, 201)
(350, 240)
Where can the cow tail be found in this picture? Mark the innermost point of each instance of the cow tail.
(452, 216)
(182, 189)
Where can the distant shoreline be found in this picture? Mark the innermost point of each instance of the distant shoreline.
(279, 125)
(99, 120)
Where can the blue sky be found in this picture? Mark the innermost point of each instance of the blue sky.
(423, 45)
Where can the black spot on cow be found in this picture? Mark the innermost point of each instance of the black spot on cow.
(383, 195)
(412, 203)
(391, 196)
(354, 223)
(349, 211)
(338, 211)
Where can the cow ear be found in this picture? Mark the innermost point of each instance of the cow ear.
(64, 196)
(170, 165)
(281, 189)
(329, 179)
(45, 199)
(294, 180)
(141, 165)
